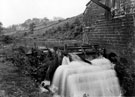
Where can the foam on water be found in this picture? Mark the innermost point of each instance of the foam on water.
(65, 61)
(80, 79)
(100, 84)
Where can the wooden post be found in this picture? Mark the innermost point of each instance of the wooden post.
(65, 47)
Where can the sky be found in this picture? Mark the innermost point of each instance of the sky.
(17, 11)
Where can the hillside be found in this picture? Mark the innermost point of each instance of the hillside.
(52, 29)
(65, 29)
(15, 79)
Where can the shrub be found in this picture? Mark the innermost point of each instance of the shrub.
(34, 65)
(7, 39)
(125, 74)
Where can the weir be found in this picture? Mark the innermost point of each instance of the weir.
(80, 79)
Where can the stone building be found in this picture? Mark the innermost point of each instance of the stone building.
(114, 29)
(111, 24)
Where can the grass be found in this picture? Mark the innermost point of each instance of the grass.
(15, 84)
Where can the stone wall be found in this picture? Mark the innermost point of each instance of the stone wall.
(116, 34)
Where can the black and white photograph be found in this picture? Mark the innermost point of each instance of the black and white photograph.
(67, 48)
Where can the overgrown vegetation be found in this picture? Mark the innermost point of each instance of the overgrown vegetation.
(1, 28)
(126, 76)
(33, 65)
(67, 31)
(6, 39)
(31, 27)
(20, 73)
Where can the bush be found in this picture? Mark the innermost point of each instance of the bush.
(72, 30)
(125, 74)
(34, 65)
(7, 39)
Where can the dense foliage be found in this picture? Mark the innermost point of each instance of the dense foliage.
(125, 73)
(34, 64)
(1, 28)
(6, 39)
(31, 27)
(67, 31)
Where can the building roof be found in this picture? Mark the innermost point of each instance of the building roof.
(88, 3)
(99, 4)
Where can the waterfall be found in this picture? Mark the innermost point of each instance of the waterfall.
(80, 79)
(65, 60)
(99, 84)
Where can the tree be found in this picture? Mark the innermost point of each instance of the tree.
(45, 20)
(77, 22)
(66, 26)
(31, 27)
(58, 28)
(1, 28)
(7, 39)
(57, 18)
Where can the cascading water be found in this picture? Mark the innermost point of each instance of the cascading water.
(80, 79)
(99, 84)
(65, 60)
